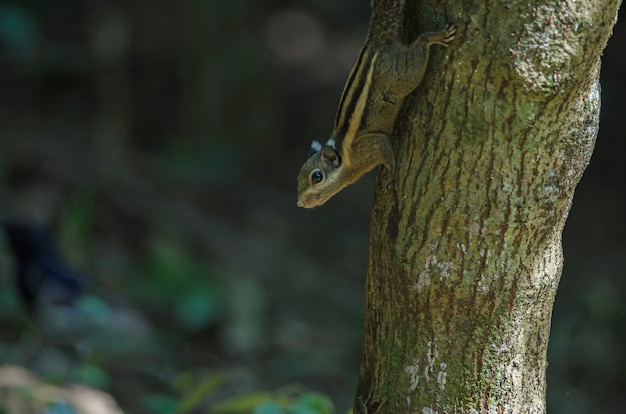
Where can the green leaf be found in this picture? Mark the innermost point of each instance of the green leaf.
(268, 408)
(303, 409)
(76, 227)
(242, 404)
(19, 31)
(59, 407)
(94, 376)
(198, 308)
(160, 404)
(319, 403)
(203, 390)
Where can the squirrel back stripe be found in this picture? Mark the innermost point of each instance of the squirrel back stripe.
(351, 95)
(356, 117)
(347, 90)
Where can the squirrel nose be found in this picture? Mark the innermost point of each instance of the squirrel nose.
(300, 203)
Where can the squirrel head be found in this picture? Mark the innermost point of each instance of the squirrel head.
(320, 177)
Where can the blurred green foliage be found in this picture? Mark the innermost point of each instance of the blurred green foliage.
(287, 400)
(19, 31)
(160, 141)
(180, 285)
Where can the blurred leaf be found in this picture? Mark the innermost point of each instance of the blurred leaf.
(94, 306)
(203, 390)
(242, 404)
(177, 160)
(198, 308)
(179, 282)
(291, 399)
(76, 228)
(302, 409)
(19, 32)
(268, 408)
(247, 328)
(184, 381)
(94, 376)
(9, 305)
(160, 404)
(59, 407)
(316, 402)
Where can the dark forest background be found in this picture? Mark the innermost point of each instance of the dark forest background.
(160, 142)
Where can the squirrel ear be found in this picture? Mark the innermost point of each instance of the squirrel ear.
(315, 147)
(330, 156)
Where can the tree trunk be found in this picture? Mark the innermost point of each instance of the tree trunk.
(465, 252)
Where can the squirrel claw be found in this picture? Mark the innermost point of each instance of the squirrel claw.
(387, 179)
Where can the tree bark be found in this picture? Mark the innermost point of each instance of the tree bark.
(465, 252)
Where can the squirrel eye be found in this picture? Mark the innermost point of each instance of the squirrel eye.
(317, 177)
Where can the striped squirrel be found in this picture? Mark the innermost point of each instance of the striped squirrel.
(384, 73)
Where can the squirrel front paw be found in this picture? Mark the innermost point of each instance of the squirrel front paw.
(449, 33)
